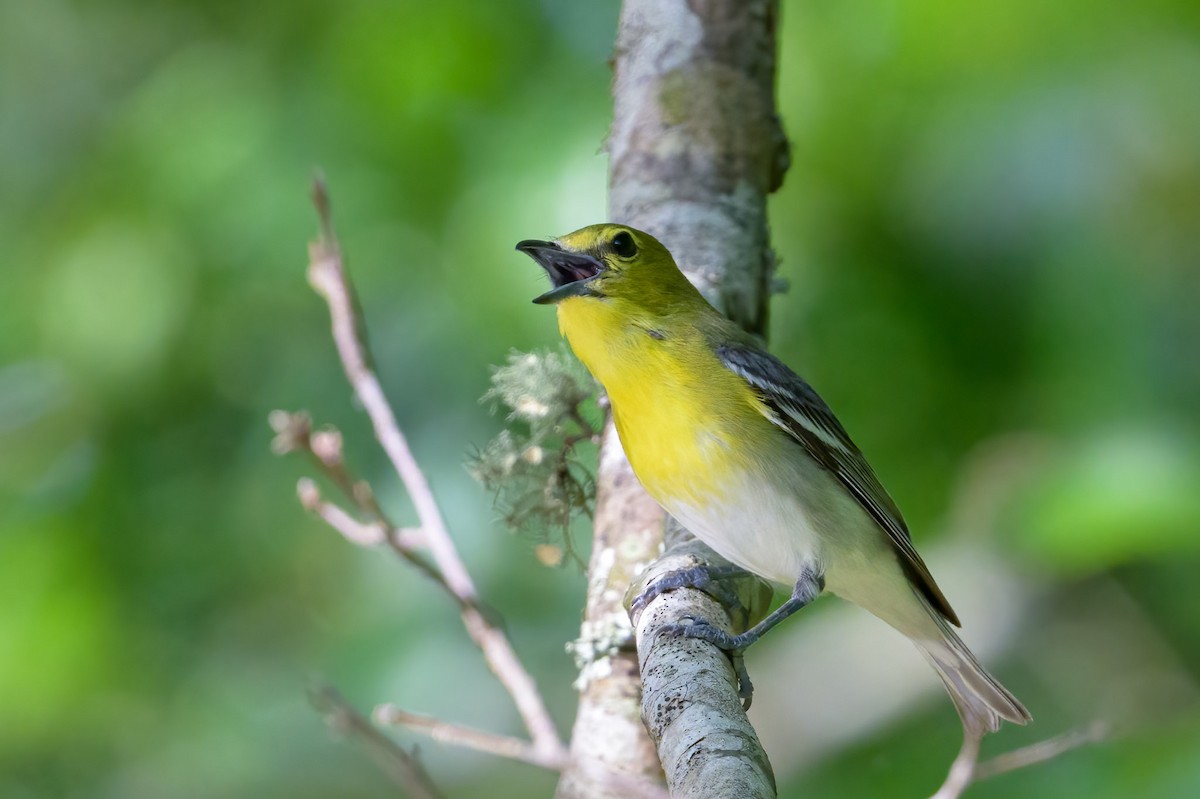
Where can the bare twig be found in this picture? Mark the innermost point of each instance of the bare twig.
(467, 737)
(403, 768)
(967, 770)
(328, 277)
(354, 531)
(372, 534)
(1042, 751)
(628, 786)
(962, 770)
(294, 434)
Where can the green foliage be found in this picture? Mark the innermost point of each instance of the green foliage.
(1113, 500)
(990, 230)
(540, 482)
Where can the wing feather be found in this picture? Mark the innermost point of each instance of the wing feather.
(795, 407)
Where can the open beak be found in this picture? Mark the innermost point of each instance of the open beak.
(571, 273)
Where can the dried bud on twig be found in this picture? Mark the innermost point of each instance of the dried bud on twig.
(326, 444)
(292, 431)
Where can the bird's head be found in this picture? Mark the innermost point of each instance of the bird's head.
(612, 264)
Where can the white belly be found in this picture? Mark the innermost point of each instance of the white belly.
(779, 525)
(798, 518)
(775, 527)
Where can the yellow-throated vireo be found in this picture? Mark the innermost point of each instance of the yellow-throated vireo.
(746, 455)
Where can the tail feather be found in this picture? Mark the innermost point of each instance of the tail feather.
(982, 702)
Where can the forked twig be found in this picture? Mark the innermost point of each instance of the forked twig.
(967, 770)
(403, 768)
(467, 737)
(328, 277)
(1041, 751)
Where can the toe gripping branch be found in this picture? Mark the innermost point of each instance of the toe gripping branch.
(744, 597)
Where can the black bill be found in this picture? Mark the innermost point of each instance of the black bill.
(571, 273)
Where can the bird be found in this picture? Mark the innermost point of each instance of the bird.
(747, 456)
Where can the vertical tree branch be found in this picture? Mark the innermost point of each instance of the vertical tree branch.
(696, 145)
(609, 744)
(695, 148)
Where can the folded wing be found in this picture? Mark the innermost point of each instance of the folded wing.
(794, 406)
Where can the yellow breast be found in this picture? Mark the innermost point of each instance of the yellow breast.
(686, 422)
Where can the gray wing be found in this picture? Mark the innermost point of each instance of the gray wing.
(794, 406)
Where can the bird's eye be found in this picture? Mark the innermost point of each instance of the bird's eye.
(623, 245)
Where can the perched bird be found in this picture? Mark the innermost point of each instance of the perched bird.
(746, 455)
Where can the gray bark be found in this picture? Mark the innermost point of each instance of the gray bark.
(695, 149)
(690, 702)
(696, 144)
(610, 749)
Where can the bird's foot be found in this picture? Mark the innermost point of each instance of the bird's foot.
(708, 579)
(732, 645)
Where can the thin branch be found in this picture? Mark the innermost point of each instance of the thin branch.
(962, 770)
(690, 700)
(403, 768)
(967, 770)
(588, 431)
(468, 737)
(512, 748)
(328, 277)
(293, 433)
(411, 538)
(1042, 751)
(354, 531)
(407, 540)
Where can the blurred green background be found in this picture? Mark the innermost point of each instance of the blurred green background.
(992, 234)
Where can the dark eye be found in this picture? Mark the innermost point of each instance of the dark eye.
(623, 245)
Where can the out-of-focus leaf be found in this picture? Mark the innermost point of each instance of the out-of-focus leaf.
(1107, 501)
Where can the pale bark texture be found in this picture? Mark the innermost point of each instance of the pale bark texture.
(609, 745)
(695, 149)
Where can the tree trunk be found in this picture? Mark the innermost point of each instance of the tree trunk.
(694, 150)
